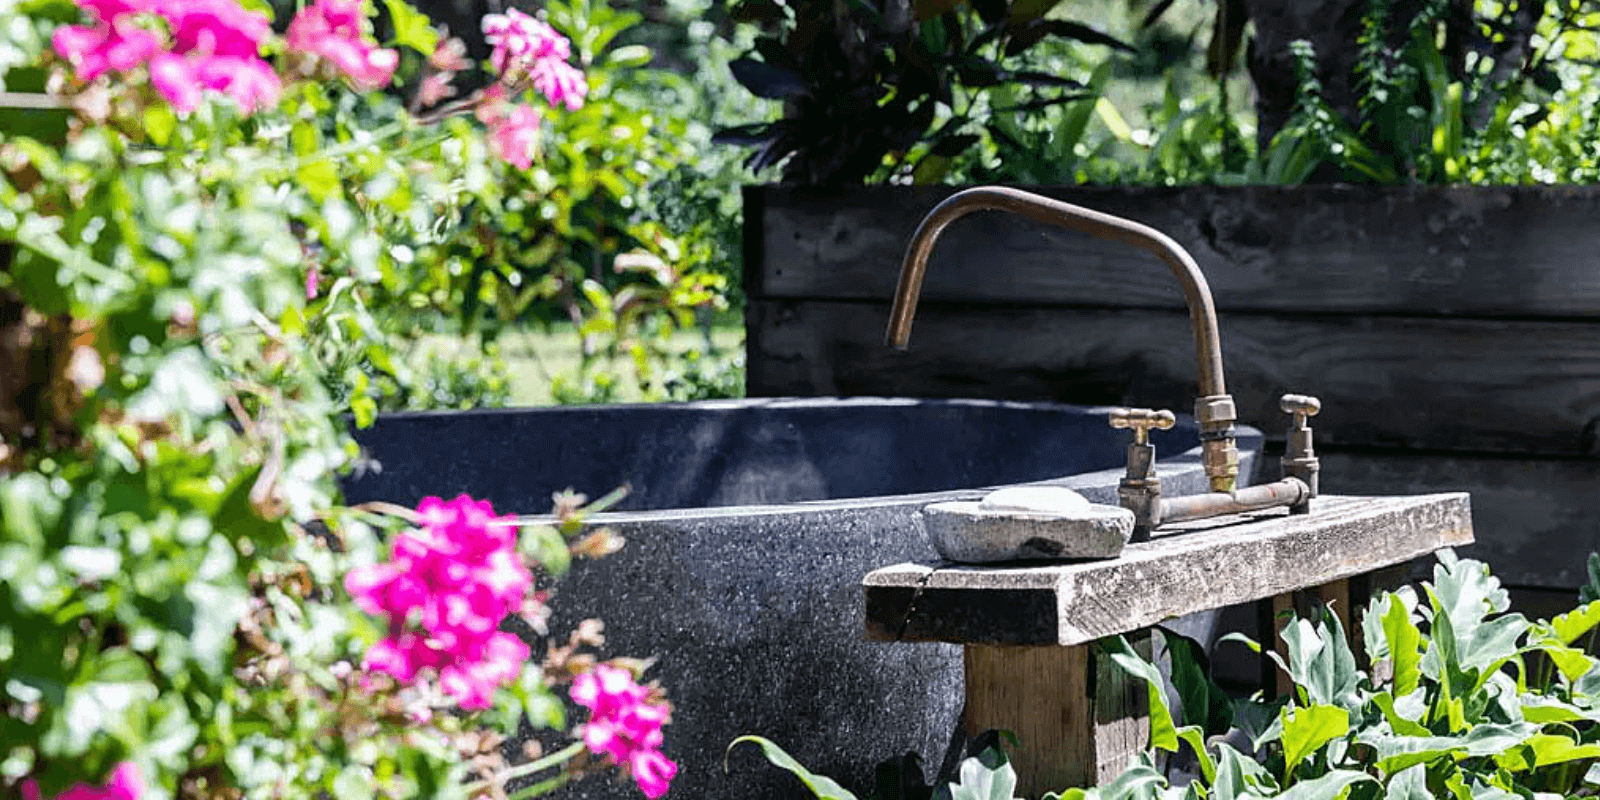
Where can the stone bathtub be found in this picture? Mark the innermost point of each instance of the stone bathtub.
(749, 526)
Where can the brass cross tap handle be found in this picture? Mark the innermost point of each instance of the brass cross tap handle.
(1142, 420)
(1299, 457)
(1301, 406)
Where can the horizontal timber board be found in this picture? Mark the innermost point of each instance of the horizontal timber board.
(1211, 564)
(1468, 251)
(1535, 519)
(1436, 384)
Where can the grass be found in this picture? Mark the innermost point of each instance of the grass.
(535, 356)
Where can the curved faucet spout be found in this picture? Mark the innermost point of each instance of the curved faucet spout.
(1214, 409)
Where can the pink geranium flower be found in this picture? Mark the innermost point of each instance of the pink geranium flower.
(560, 83)
(515, 136)
(624, 725)
(527, 49)
(215, 45)
(117, 45)
(215, 27)
(333, 31)
(446, 588)
(124, 783)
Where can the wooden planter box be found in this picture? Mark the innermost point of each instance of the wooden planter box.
(1453, 334)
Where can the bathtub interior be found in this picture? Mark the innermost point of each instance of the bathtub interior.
(736, 453)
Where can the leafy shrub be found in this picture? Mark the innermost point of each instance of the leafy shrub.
(217, 255)
(1462, 699)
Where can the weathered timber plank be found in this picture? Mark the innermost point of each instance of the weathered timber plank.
(1536, 520)
(1464, 385)
(1489, 251)
(1209, 564)
(1068, 734)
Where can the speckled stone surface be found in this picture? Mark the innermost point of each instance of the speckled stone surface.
(753, 609)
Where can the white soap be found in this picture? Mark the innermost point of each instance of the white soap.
(1036, 499)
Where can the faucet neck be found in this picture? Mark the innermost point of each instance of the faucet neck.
(1214, 410)
(1202, 312)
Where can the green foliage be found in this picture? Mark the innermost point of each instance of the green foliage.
(897, 91)
(1463, 698)
(189, 308)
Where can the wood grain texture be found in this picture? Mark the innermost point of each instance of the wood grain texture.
(1185, 568)
(1478, 251)
(1077, 716)
(1042, 695)
(1438, 384)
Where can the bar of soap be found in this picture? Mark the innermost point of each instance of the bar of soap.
(1026, 523)
(1035, 499)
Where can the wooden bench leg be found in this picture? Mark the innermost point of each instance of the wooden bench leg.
(1077, 716)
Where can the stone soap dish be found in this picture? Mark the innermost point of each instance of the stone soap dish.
(1027, 523)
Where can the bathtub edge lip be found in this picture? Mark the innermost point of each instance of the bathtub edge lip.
(1171, 466)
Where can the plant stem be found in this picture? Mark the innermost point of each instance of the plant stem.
(537, 765)
(542, 786)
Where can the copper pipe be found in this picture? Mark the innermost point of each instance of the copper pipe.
(1214, 410)
(1287, 492)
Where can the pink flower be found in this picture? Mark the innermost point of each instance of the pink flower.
(519, 40)
(115, 46)
(515, 136)
(625, 726)
(560, 82)
(460, 570)
(249, 82)
(653, 772)
(214, 27)
(215, 45)
(175, 78)
(333, 31)
(125, 783)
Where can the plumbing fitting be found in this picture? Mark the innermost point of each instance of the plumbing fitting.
(1214, 410)
(1299, 458)
(1140, 488)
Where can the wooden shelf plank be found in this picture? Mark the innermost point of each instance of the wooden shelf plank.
(1193, 567)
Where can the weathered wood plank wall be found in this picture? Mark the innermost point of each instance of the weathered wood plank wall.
(1452, 334)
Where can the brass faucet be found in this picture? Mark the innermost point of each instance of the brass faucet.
(1214, 409)
(1140, 489)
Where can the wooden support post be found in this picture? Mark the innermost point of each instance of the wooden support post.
(1078, 717)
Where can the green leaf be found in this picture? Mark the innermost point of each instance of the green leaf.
(1163, 734)
(1404, 644)
(1205, 704)
(1238, 775)
(320, 177)
(1577, 622)
(1544, 749)
(1542, 710)
(1306, 729)
(988, 776)
(412, 27)
(1401, 723)
(1396, 753)
(1410, 783)
(633, 55)
(823, 788)
(159, 123)
(1327, 787)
